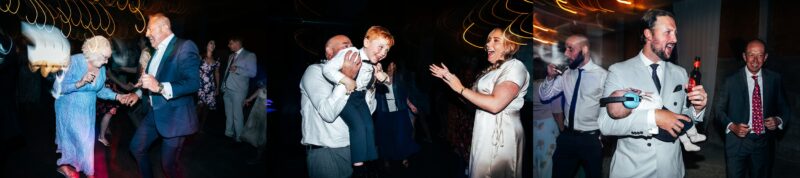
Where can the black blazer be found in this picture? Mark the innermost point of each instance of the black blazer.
(734, 102)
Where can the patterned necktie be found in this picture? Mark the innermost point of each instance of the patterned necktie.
(758, 117)
(573, 102)
(655, 77)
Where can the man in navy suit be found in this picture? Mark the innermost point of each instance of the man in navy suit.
(170, 81)
(753, 109)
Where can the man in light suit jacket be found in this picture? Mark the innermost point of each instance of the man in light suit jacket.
(170, 82)
(753, 110)
(241, 67)
(638, 153)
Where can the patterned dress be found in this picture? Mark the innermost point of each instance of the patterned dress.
(207, 85)
(75, 114)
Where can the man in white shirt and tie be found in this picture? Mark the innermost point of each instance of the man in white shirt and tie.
(582, 85)
(235, 83)
(325, 135)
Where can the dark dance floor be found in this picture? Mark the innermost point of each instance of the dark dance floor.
(210, 154)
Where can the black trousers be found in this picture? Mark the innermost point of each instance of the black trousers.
(362, 130)
(573, 149)
(753, 154)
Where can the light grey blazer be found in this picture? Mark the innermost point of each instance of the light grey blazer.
(245, 69)
(638, 154)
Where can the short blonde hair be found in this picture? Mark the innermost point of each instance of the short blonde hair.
(378, 31)
(97, 46)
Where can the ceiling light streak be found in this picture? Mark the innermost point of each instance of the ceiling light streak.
(565, 9)
(480, 14)
(509, 9)
(463, 37)
(495, 15)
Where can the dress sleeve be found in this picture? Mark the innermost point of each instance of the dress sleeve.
(514, 73)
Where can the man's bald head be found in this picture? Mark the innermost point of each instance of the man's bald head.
(577, 44)
(335, 44)
(158, 29)
(578, 39)
(755, 55)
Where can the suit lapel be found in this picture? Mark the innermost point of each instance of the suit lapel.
(745, 95)
(766, 95)
(642, 73)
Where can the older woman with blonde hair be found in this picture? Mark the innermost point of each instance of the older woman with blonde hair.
(76, 91)
(497, 137)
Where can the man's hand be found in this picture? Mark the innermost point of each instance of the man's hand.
(740, 130)
(351, 64)
(698, 97)
(772, 123)
(668, 121)
(617, 110)
(552, 71)
(128, 99)
(349, 83)
(148, 82)
(232, 68)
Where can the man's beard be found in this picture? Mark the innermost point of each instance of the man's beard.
(660, 53)
(577, 62)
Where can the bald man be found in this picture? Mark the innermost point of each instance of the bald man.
(582, 85)
(170, 81)
(325, 135)
(753, 110)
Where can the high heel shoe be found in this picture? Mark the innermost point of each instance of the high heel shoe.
(67, 172)
(103, 141)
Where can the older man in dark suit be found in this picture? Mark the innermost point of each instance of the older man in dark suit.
(170, 81)
(753, 110)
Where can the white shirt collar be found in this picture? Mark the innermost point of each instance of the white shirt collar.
(239, 51)
(589, 66)
(646, 61)
(163, 44)
(750, 74)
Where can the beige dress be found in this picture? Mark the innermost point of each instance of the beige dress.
(497, 139)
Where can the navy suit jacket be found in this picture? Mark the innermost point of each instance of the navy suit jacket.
(180, 66)
(734, 100)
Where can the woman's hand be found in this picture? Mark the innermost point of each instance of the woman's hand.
(451, 80)
(87, 78)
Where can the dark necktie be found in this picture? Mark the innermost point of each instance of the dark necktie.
(572, 106)
(655, 77)
(758, 117)
(231, 62)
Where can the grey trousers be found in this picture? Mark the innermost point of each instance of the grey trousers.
(234, 113)
(329, 162)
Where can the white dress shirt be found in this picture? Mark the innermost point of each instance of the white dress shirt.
(321, 102)
(589, 93)
(155, 62)
(750, 87)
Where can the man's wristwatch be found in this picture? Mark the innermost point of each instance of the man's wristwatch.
(160, 88)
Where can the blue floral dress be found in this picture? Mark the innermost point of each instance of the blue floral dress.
(75, 114)
(207, 86)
